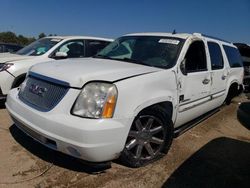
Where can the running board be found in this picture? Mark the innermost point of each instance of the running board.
(183, 128)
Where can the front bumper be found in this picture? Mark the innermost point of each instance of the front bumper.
(94, 140)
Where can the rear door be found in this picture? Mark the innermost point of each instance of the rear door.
(219, 72)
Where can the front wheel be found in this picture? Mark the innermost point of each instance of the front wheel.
(150, 136)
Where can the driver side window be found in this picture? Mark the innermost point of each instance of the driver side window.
(196, 57)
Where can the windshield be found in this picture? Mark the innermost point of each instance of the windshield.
(152, 51)
(39, 47)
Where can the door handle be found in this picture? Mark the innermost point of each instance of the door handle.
(205, 81)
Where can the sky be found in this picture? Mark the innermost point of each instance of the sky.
(226, 19)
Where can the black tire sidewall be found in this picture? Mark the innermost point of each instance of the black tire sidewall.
(160, 114)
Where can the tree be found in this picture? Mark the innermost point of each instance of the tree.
(10, 37)
(41, 35)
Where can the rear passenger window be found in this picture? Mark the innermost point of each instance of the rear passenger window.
(233, 56)
(215, 56)
(196, 57)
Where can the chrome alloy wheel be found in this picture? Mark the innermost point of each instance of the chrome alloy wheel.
(146, 137)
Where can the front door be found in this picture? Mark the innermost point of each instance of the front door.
(195, 84)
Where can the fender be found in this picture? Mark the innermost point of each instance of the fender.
(155, 101)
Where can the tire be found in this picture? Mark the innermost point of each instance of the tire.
(149, 138)
(233, 92)
(18, 81)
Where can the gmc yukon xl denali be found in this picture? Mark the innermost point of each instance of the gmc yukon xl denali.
(130, 99)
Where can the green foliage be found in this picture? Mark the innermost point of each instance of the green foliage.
(41, 35)
(10, 37)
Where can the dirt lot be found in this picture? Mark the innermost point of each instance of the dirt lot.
(216, 153)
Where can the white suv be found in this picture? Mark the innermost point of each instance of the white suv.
(14, 66)
(129, 100)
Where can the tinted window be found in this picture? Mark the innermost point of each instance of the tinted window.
(196, 57)
(94, 46)
(215, 56)
(1, 48)
(153, 51)
(16, 48)
(10, 48)
(233, 56)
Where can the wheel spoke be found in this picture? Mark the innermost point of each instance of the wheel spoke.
(149, 149)
(138, 125)
(155, 130)
(138, 151)
(133, 134)
(149, 123)
(132, 143)
(156, 140)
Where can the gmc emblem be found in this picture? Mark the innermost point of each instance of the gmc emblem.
(37, 90)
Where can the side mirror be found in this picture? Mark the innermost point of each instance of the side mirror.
(183, 67)
(61, 55)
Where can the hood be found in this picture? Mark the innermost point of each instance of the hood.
(77, 72)
(9, 57)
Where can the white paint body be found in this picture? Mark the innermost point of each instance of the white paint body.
(22, 63)
(100, 140)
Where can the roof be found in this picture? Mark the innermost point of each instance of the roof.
(80, 37)
(178, 35)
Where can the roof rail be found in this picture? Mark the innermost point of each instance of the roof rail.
(197, 34)
(216, 38)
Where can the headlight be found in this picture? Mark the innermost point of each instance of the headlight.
(96, 100)
(5, 66)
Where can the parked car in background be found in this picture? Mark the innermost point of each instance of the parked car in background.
(243, 114)
(245, 53)
(13, 67)
(130, 99)
(5, 47)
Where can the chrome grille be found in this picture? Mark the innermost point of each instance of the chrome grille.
(41, 93)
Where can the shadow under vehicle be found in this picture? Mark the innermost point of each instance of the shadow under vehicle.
(222, 163)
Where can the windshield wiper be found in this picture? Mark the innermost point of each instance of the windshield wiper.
(101, 56)
(128, 60)
(134, 61)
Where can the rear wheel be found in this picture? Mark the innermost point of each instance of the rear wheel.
(233, 92)
(150, 136)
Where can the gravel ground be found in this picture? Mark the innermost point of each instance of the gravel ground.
(215, 153)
